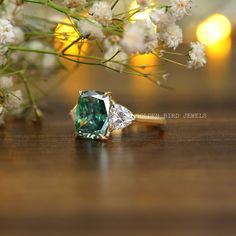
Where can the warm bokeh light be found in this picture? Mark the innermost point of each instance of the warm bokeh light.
(220, 50)
(214, 29)
(144, 15)
(147, 64)
(140, 60)
(143, 63)
(65, 34)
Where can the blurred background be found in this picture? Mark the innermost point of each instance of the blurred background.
(212, 23)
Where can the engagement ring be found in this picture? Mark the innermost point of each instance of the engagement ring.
(96, 115)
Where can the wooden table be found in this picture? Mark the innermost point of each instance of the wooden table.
(143, 181)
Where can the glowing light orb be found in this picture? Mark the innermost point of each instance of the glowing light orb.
(65, 34)
(214, 29)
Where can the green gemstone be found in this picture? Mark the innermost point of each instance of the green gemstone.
(92, 112)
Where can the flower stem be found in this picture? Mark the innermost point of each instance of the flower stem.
(99, 61)
(37, 113)
(54, 6)
(172, 61)
(115, 3)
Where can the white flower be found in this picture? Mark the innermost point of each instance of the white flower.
(74, 3)
(3, 58)
(3, 50)
(19, 35)
(139, 37)
(133, 38)
(180, 8)
(91, 29)
(33, 57)
(6, 32)
(143, 3)
(6, 82)
(160, 17)
(197, 55)
(13, 11)
(14, 100)
(48, 61)
(151, 41)
(15, 103)
(101, 12)
(121, 57)
(111, 41)
(171, 35)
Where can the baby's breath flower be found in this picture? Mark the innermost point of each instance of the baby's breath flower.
(171, 35)
(160, 17)
(90, 29)
(6, 32)
(13, 10)
(34, 45)
(151, 41)
(47, 61)
(3, 58)
(74, 3)
(115, 53)
(143, 3)
(133, 38)
(111, 41)
(14, 102)
(19, 35)
(197, 55)
(139, 37)
(101, 12)
(6, 82)
(180, 8)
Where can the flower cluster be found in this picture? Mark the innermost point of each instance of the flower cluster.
(101, 12)
(197, 55)
(12, 10)
(11, 101)
(74, 3)
(114, 52)
(26, 40)
(165, 19)
(140, 36)
(6, 36)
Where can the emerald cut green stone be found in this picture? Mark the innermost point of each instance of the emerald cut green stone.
(92, 120)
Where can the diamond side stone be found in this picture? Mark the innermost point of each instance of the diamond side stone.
(120, 117)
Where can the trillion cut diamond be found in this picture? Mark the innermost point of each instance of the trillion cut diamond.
(120, 117)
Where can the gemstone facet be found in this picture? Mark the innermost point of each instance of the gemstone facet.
(120, 117)
(92, 115)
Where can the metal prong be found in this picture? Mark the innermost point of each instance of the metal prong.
(107, 94)
(73, 113)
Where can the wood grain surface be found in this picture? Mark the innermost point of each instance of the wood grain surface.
(143, 181)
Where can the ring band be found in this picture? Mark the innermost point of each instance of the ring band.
(96, 115)
(151, 119)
